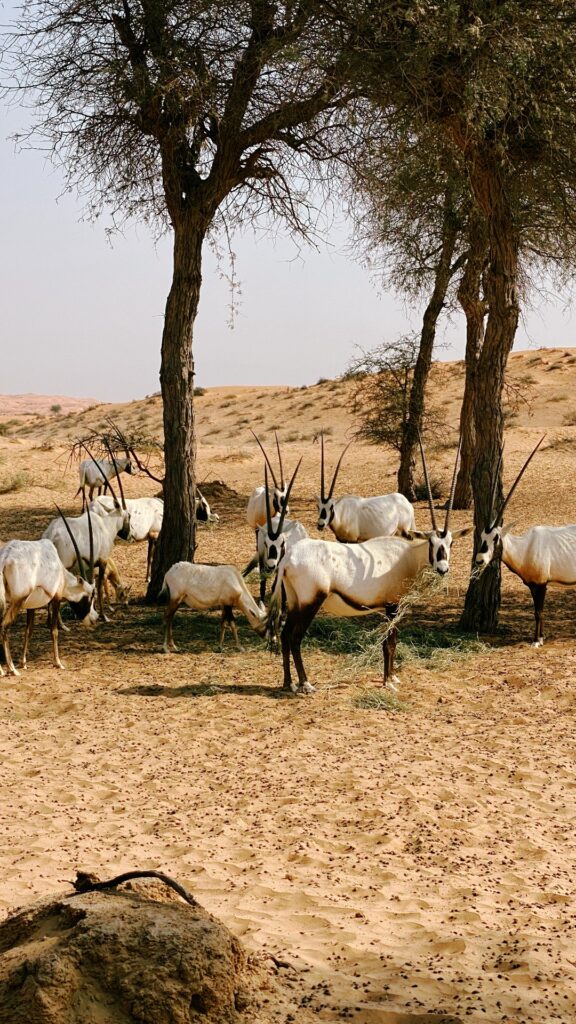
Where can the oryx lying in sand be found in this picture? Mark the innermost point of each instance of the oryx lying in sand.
(353, 519)
(540, 556)
(354, 579)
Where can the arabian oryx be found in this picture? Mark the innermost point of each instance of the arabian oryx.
(256, 509)
(209, 586)
(273, 539)
(105, 527)
(354, 519)
(146, 516)
(32, 576)
(354, 579)
(95, 474)
(541, 555)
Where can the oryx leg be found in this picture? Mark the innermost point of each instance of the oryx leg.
(538, 591)
(299, 619)
(169, 644)
(389, 644)
(10, 615)
(101, 566)
(152, 541)
(54, 613)
(229, 620)
(30, 615)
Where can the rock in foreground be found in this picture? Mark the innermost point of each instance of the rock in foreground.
(120, 958)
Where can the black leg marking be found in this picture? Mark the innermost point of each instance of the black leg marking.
(390, 642)
(538, 591)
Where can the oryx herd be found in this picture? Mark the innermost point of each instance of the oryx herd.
(380, 556)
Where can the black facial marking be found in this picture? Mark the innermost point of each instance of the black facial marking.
(484, 548)
(272, 552)
(82, 607)
(201, 512)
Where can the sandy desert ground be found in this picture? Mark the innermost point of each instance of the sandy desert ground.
(412, 864)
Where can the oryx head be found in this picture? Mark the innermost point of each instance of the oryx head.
(274, 540)
(491, 538)
(83, 595)
(203, 512)
(440, 540)
(124, 531)
(280, 494)
(325, 501)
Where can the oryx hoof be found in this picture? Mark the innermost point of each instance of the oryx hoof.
(306, 687)
(13, 671)
(392, 683)
(538, 643)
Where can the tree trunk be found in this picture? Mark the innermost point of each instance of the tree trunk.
(413, 426)
(177, 537)
(470, 298)
(483, 596)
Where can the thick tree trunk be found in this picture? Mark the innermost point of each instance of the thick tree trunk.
(483, 596)
(177, 538)
(474, 307)
(413, 426)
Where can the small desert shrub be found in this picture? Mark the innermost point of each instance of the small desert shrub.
(322, 380)
(16, 482)
(557, 398)
(56, 408)
(4, 429)
(198, 392)
(421, 491)
(569, 420)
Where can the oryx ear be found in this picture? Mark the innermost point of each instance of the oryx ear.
(462, 533)
(506, 529)
(417, 534)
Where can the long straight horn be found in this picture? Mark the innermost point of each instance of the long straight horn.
(322, 484)
(427, 480)
(99, 468)
(117, 472)
(499, 517)
(337, 470)
(268, 463)
(91, 543)
(494, 487)
(285, 505)
(282, 484)
(267, 493)
(81, 566)
(453, 487)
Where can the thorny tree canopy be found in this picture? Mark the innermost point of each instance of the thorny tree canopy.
(155, 105)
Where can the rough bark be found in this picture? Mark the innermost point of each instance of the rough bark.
(443, 274)
(177, 538)
(474, 307)
(483, 596)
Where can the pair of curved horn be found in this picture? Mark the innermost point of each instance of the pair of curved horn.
(323, 495)
(86, 575)
(269, 464)
(498, 518)
(429, 489)
(274, 534)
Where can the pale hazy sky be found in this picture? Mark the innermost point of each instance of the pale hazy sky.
(82, 316)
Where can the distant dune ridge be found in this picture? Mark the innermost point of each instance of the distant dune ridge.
(26, 405)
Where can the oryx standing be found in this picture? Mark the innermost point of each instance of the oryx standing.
(353, 519)
(354, 579)
(540, 556)
(256, 508)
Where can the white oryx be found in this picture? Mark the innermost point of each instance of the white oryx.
(275, 537)
(354, 579)
(256, 508)
(354, 519)
(540, 556)
(146, 516)
(93, 537)
(209, 586)
(32, 576)
(96, 474)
